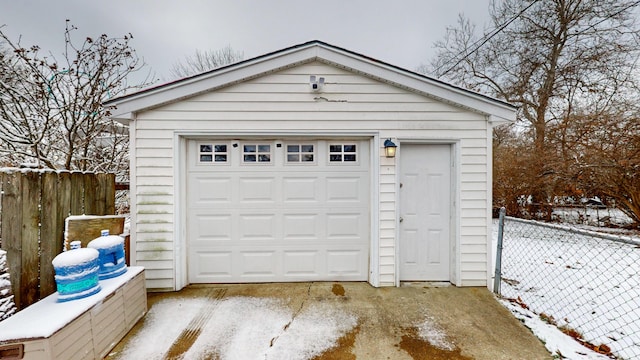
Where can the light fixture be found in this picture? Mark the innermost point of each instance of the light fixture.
(390, 148)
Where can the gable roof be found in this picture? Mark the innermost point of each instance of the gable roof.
(128, 105)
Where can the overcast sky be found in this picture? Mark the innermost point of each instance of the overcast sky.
(400, 32)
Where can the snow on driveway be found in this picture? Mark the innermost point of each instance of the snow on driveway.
(430, 332)
(241, 328)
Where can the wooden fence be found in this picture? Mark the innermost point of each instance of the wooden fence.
(34, 206)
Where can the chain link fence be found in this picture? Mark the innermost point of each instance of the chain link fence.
(586, 283)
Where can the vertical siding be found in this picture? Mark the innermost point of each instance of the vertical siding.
(283, 102)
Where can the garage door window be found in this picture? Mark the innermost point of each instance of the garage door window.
(256, 153)
(341, 153)
(212, 153)
(300, 153)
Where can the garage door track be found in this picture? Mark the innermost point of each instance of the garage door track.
(328, 320)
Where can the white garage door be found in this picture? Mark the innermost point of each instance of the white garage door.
(278, 210)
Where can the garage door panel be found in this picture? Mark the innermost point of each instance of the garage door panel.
(302, 226)
(344, 226)
(258, 263)
(344, 189)
(345, 262)
(213, 227)
(297, 263)
(300, 189)
(278, 221)
(257, 189)
(212, 265)
(209, 190)
(266, 265)
(257, 227)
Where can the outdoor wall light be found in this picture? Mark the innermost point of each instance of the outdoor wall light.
(390, 148)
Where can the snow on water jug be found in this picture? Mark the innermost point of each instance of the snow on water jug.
(111, 249)
(76, 274)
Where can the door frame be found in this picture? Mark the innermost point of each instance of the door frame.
(181, 140)
(454, 201)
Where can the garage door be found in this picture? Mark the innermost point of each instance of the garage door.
(278, 210)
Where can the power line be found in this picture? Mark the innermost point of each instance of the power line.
(478, 44)
(488, 37)
(633, 4)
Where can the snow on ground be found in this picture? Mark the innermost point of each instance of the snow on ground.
(590, 216)
(7, 306)
(51, 315)
(241, 328)
(588, 284)
(554, 340)
(429, 331)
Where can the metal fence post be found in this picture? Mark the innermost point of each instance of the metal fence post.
(497, 277)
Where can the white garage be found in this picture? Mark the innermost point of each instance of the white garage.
(265, 210)
(276, 169)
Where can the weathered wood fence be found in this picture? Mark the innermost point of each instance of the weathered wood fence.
(34, 205)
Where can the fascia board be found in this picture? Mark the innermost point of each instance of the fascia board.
(123, 118)
(496, 121)
(126, 107)
(498, 109)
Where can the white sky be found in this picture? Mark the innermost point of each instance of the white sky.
(400, 32)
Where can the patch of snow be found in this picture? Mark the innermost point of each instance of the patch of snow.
(313, 331)
(88, 217)
(127, 224)
(10, 170)
(590, 216)
(106, 242)
(75, 257)
(554, 340)
(434, 335)
(4, 283)
(51, 315)
(163, 324)
(242, 328)
(7, 305)
(590, 284)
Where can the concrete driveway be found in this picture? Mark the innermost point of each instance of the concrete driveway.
(355, 321)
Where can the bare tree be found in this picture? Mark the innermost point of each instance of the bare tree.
(202, 61)
(51, 111)
(603, 156)
(549, 57)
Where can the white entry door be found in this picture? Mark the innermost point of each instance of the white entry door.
(425, 206)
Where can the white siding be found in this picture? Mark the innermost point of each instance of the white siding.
(282, 103)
